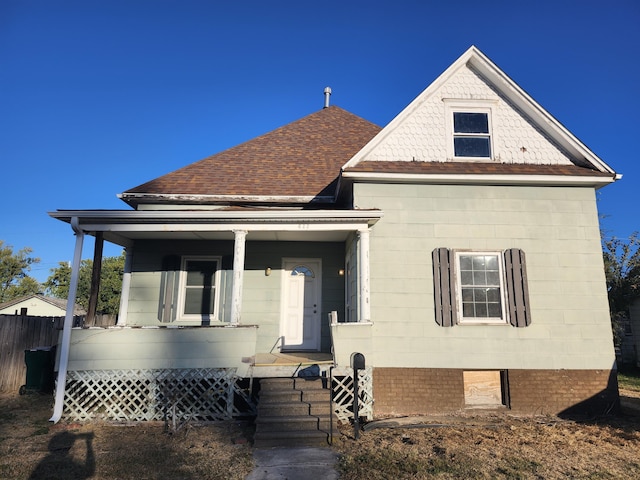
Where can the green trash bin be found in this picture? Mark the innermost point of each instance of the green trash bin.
(40, 364)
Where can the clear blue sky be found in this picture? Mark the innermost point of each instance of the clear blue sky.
(97, 97)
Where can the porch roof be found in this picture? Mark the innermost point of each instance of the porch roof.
(122, 227)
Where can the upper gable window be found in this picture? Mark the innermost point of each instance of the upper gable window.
(471, 134)
(470, 128)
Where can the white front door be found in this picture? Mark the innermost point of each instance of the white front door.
(301, 302)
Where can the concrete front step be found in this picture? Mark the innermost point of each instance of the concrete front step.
(299, 438)
(293, 423)
(293, 412)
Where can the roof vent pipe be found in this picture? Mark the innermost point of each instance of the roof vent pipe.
(327, 94)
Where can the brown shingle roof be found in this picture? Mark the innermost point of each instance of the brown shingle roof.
(302, 158)
(472, 168)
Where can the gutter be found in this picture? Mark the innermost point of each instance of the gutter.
(135, 199)
(484, 179)
(63, 363)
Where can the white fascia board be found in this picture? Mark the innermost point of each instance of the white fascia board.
(226, 227)
(475, 179)
(121, 222)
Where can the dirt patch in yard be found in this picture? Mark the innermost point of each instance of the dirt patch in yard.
(498, 447)
(33, 448)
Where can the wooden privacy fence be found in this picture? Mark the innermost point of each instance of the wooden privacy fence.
(19, 333)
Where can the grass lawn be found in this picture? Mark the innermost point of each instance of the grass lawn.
(629, 379)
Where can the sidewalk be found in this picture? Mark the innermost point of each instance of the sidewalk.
(302, 463)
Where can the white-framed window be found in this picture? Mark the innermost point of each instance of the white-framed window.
(471, 135)
(480, 287)
(198, 290)
(470, 129)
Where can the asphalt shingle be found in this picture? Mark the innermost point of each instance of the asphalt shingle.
(302, 158)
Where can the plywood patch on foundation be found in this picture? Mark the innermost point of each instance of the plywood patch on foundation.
(482, 388)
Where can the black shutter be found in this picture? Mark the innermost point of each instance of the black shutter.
(169, 289)
(517, 290)
(443, 288)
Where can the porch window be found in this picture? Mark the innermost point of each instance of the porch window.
(198, 288)
(481, 288)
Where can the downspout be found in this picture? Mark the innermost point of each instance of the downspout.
(68, 323)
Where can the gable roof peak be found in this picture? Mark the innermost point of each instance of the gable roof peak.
(501, 83)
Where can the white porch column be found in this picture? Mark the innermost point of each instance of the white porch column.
(126, 285)
(68, 323)
(238, 275)
(363, 260)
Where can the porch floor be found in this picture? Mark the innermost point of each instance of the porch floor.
(292, 359)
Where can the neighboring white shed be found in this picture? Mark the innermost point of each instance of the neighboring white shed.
(38, 306)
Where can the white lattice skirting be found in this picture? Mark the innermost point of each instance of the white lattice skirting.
(206, 394)
(342, 387)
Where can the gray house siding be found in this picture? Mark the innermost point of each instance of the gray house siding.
(558, 230)
(261, 292)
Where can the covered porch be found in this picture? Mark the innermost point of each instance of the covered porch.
(261, 255)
